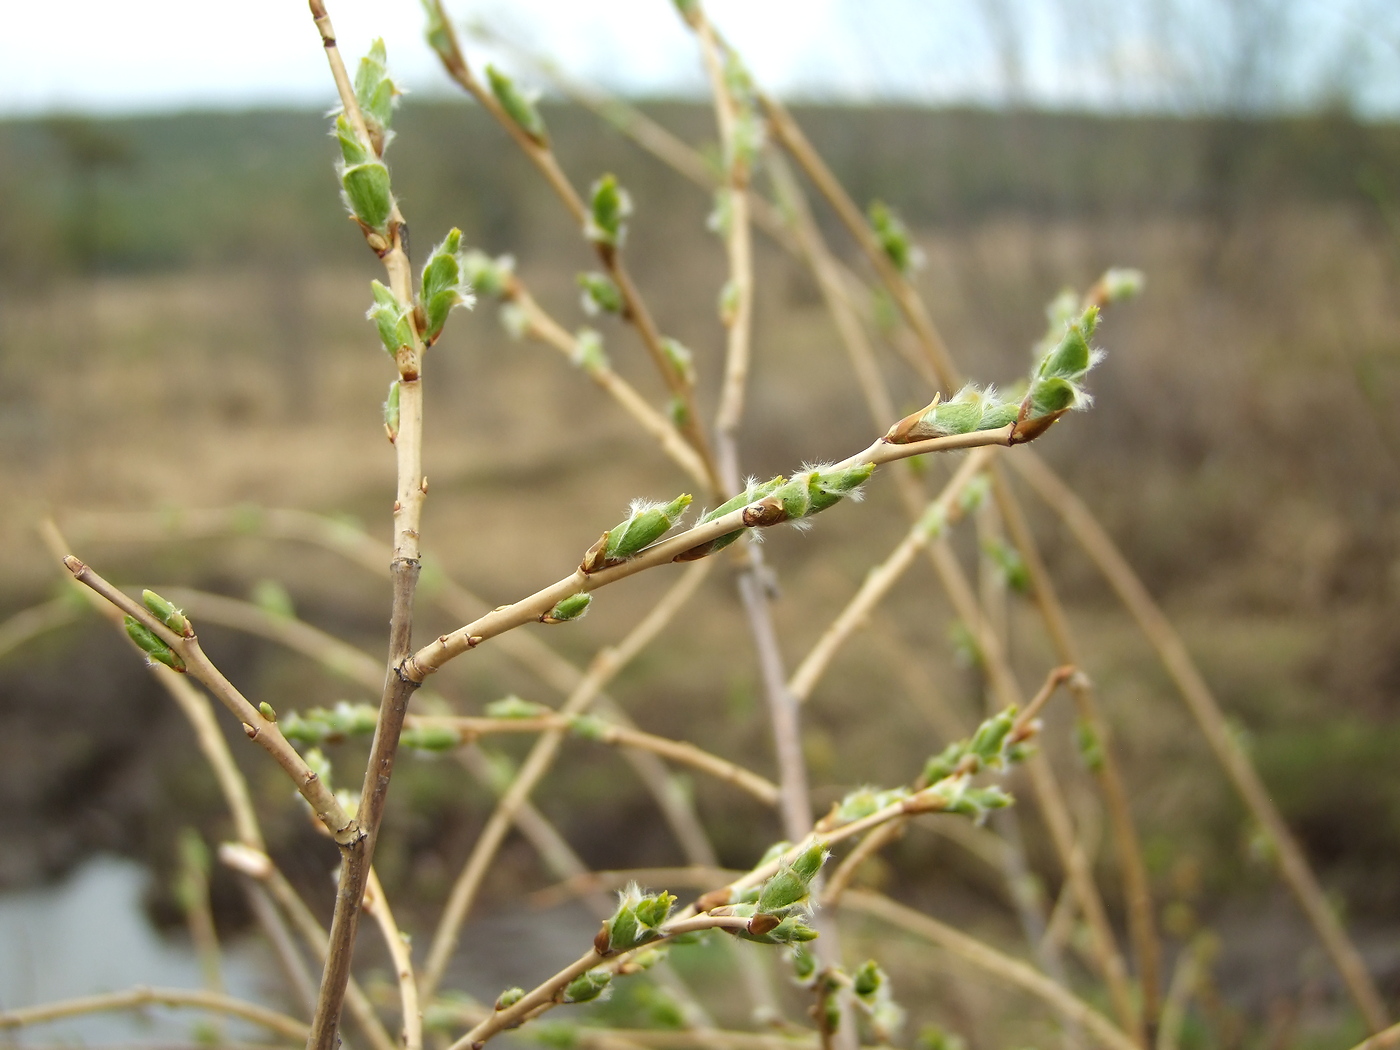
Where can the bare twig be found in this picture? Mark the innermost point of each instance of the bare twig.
(136, 998)
(607, 664)
(378, 906)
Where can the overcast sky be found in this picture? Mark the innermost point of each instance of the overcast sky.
(109, 56)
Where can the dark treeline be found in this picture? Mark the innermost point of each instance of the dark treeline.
(206, 188)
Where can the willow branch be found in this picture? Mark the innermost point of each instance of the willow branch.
(412, 487)
(604, 667)
(135, 998)
(259, 728)
(542, 156)
(507, 617)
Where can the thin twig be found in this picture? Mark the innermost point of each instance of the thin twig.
(605, 666)
(1206, 710)
(136, 998)
(38, 619)
(378, 907)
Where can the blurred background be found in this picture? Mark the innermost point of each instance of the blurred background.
(181, 328)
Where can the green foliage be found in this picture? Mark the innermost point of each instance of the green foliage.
(518, 105)
(444, 285)
(609, 208)
(893, 237)
(150, 644)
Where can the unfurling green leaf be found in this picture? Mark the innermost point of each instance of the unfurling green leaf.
(588, 353)
(375, 92)
(149, 643)
(893, 237)
(600, 294)
(645, 524)
(487, 276)
(365, 188)
(509, 997)
(637, 921)
(609, 208)
(791, 884)
(681, 360)
(519, 105)
(391, 318)
(444, 285)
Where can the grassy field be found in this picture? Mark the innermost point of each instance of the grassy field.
(181, 327)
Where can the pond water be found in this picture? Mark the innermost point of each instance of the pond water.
(89, 934)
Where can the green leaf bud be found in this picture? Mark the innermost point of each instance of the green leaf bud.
(435, 30)
(488, 276)
(987, 742)
(609, 208)
(653, 910)
(864, 801)
(519, 105)
(391, 317)
(509, 997)
(588, 353)
(267, 711)
(1062, 311)
(165, 612)
(753, 492)
(444, 285)
(1121, 283)
(804, 965)
(681, 360)
(791, 884)
(638, 920)
(391, 411)
(773, 852)
(1050, 397)
(571, 608)
(155, 649)
(894, 239)
(365, 189)
(514, 707)
(791, 930)
(829, 487)
(868, 979)
(974, 494)
(1070, 358)
(728, 303)
(431, 738)
(810, 861)
(931, 1037)
(677, 411)
(600, 294)
(352, 150)
(375, 92)
(587, 986)
(645, 524)
(589, 727)
(945, 762)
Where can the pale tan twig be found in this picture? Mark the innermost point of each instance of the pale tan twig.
(680, 751)
(605, 665)
(135, 998)
(540, 325)
(1385, 1039)
(542, 156)
(357, 853)
(943, 510)
(1206, 710)
(259, 728)
(193, 895)
(1137, 886)
(378, 907)
(991, 961)
(1183, 985)
(533, 608)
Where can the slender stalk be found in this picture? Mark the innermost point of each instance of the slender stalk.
(136, 998)
(878, 581)
(378, 906)
(1382, 1040)
(259, 728)
(1206, 710)
(357, 855)
(34, 621)
(540, 325)
(605, 665)
(680, 751)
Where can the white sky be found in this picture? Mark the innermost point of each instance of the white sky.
(118, 56)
